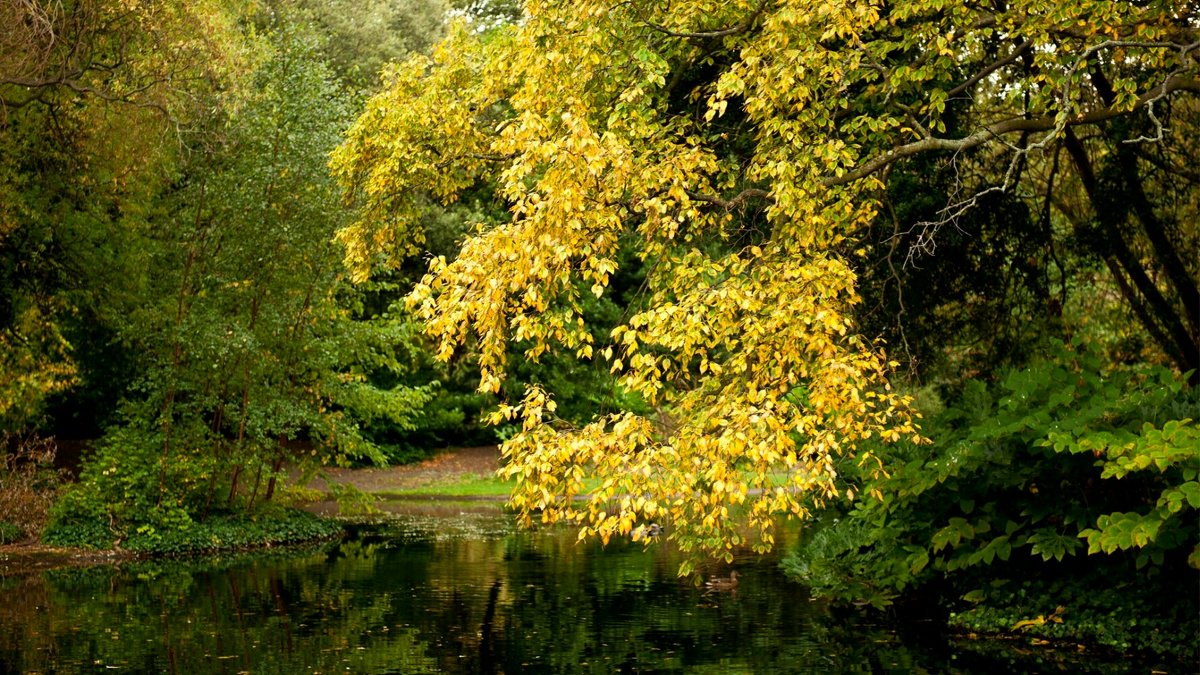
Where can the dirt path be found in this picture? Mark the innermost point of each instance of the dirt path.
(447, 464)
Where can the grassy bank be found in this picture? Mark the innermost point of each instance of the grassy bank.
(475, 486)
(264, 528)
(464, 486)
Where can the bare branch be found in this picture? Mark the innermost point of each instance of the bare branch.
(1008, 126)
(1184, 51)
(732, 30)
(1020, 50)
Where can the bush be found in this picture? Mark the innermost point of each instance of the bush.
(266, 527)
(1061, 469)
(10, 533)
(78, 534)
(29, 484)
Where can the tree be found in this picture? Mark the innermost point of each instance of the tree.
(744, 144)
(97, 99)
(359, 38)
(246, 360)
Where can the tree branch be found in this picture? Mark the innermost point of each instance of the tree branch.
(733, 30)
(731, 204)
(1008, 126)
(1180, 345)
(1020, 49)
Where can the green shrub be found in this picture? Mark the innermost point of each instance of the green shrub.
(265, 527)
(10, 533)
(78, 534)
(125, 486)
(269, 527)
(29, 484)
(1056, 470)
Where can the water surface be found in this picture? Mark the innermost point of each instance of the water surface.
(462, 592)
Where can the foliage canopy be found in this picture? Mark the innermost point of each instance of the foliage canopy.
(167, 273)
(743, 144)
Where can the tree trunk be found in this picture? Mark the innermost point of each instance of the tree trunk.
(1161, 320)
(181, 308)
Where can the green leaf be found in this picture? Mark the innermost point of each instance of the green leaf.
(977, 595)
(1191, 491)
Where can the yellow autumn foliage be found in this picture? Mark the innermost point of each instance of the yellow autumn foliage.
(677, 123)
(35, 362)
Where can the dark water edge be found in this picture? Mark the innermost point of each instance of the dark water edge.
(434, 592)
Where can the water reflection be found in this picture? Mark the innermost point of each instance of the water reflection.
(429, 594)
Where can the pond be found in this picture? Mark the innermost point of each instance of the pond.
(459, 592)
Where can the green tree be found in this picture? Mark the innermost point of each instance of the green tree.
(95, 97)
(247, 360)
(359, 38)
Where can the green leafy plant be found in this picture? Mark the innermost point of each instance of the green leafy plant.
(9, 533)
(1173, 453)
(1131, 614)
(1026, 477)
(231, 531)
(267, 528)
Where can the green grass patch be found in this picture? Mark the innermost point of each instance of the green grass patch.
(470, 485)
(463, 485)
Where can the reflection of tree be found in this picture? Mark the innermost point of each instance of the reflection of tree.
(278, 614)
(520, 603)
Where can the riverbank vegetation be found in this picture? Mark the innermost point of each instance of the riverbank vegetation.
(923, 276)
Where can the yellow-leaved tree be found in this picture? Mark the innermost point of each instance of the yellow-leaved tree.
(740, 144)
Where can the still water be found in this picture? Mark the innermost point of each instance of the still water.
(463, 592)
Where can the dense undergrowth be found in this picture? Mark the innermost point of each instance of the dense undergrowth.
(38, 504)
(1123, 613)
(1058, 501)
(29, 484)
(266, 527)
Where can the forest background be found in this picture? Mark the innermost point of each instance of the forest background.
(922, 274)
